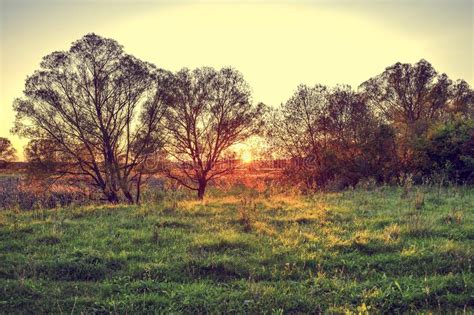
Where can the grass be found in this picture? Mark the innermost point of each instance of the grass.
(383, 250)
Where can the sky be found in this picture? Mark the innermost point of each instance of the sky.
(275, 44)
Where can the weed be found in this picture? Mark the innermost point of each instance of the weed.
(454, 216)
(419, 201)
(361, 238)
(247, 211)
(406, 183)
(418, 225)
(156, 233)
(391, 233)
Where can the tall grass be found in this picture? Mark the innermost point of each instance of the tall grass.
(360, 250)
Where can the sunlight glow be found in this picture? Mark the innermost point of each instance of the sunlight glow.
(246, 156)
(276, 46)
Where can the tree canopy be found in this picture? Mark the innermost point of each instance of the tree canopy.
(7, 151)
(208, 111)
(86, 101)
(100, 114)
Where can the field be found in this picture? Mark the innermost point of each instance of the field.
(385, 249)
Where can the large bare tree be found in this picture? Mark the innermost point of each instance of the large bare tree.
(208, 112)
(85, 103)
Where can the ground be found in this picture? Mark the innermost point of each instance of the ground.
(384, 249)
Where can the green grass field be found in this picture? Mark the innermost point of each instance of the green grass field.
(356, 251)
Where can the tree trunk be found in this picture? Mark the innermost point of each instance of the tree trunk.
(128, 196)
(202, 188)
(125, 188)
(139, 183)
(111, 196)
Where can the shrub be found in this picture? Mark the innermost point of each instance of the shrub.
(17, 193)
(450, 149)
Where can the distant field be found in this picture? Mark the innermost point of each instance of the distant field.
(383, 250)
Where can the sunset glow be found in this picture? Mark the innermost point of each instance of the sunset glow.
(246, 157)
(276, 45)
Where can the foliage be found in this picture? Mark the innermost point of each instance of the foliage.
(450, 150)
(207, 112)
(335, 137)
(7, 151)
(83, 103)
(100, 114)
(332, 137)
(413, 98)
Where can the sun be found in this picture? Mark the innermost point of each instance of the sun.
(246, 156)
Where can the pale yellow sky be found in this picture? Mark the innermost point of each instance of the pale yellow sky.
(276, 45)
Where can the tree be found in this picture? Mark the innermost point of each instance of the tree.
(461, 101)
(7, 151)
(208, 112)
(413, 97)
(299, 133)
(331, 136)
(43, 159)
(406, 93)
(296, 129)
(86, 101)
(363, 145)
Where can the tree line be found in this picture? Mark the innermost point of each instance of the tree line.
(409, 120)
(97, 113)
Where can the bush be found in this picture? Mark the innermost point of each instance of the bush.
(16, 193)
(450, 149)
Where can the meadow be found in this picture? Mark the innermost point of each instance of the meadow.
(364, 250)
